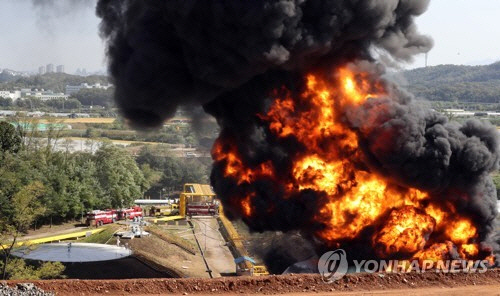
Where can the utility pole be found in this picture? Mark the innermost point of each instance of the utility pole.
(426, 59)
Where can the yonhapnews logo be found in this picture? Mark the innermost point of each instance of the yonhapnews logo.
(333, 265)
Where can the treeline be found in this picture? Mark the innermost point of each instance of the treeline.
(53, 81)
(95, 96)
(68, 184)
(38, 104)
(85, 97)
(71, 184)
(455, 83)
(5, 76)
(169, 173)
(183, 135)
(56, 82)
(39, 185)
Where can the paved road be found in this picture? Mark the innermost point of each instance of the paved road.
(51, 233)
(219, 258)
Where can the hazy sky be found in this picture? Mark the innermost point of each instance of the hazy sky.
(56, 32)
(464, 32)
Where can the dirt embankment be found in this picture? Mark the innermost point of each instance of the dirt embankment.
(171, 257)
(295, 284)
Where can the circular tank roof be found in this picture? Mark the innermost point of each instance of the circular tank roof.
(72, 252)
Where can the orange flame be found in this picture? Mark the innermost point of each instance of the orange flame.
(405, 231)
(234, 166)
(406, 221)
(468, 251)
(247, 206)
(436, 252)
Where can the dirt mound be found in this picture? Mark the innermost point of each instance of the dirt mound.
(268, 285)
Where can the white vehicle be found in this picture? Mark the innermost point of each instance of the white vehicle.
(191, 154)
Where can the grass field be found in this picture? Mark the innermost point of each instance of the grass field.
(102, 237)
(80, 120)
(116, 142)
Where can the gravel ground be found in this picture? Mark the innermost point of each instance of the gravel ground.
(282, 284)
(22, 289)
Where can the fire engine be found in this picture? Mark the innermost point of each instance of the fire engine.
(166, 210)
(202, 209)
(99, 218)
(131, 213)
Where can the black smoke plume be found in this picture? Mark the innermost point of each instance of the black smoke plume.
(164, 54)
(229, 55)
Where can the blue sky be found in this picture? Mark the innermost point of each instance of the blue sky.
(464, 32)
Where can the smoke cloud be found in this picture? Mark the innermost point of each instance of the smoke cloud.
(50, 11)
(163, 54)
(228, 56)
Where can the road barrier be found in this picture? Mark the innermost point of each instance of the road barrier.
(55, 238)
(169, 218)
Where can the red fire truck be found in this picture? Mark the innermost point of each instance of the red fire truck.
(202, 209)
(132, 213)
(98, 217)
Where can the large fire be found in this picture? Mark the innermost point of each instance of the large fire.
(403, 222)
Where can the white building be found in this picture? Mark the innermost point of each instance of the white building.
(464, 113)
(60, 69)
(81, 72)
(71, 89)
(50, 96)
(43, 95)
(14, 95)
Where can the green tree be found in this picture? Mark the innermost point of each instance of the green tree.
(53, 81)
(17, 269)
(10, 138)
(95, 96)
(26, 207)
(63, 104)
(5, 102)
(120, 177)
(72, 104)
(174, 171)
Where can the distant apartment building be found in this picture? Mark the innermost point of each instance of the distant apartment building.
(71, 89)
(14, 95)
(81, 72)
(60, 69)
(49, 68)
(41, 70)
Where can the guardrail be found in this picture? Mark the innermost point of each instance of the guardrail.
(54, 238)
(168, 218)
(234, 242)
